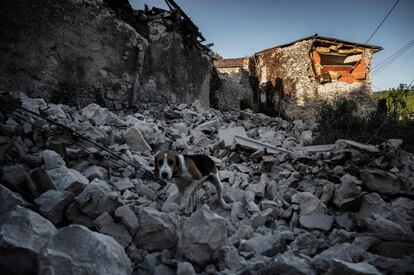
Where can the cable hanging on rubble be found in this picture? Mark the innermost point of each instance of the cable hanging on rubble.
(8, 106)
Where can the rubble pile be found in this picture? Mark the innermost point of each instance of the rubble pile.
(71, 208)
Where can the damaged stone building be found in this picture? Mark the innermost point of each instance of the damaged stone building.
(119, 58)
(304, 72)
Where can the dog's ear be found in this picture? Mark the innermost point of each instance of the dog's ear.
(177, 166)
(157, 169)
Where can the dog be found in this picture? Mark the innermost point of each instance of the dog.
(189, 173)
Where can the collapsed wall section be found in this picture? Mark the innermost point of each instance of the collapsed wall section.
(78, 52)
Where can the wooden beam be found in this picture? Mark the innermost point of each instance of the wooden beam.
(171, 4)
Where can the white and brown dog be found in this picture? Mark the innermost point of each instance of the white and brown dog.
(189, 173)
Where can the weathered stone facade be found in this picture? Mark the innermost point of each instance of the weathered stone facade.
(235, 91)
(79, 52)
(298, 76)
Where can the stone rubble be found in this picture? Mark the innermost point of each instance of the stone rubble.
(304, 210)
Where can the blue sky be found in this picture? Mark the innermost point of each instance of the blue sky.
(241, 27)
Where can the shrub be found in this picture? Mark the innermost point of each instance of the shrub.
(343, 119)
(339, 119)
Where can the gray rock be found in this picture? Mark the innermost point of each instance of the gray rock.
(341, 267)
(77, 250)
(316, 221)
(390, 265)
(52, 160)
(33, 104)
(95, 172)
(340, 236)
(151, 260)
(291, 263)
(128, 218)
(306, 138)
(128, 195)
(258, 188)
(201, 235)
(162, 269)
(55, 111)
(348, 191)
(185, 268)
(373, 203)
(42, 180)
(286, 263)
(345, 252)
(306, 243)
(244, 231)
(268, 245)
(231, 194)
(346, 220)
(144, 190)
(106, 225)
(123, 184)
(67, 179)
(53, 204)
(383, 226)
(151, 133)
(22, 235)
(308, 203)
(157, 230)
(381, 181)
(18, 180)
(136, 140)
(328, 190)
(9, 200)
(405, 207)
(99, 115)
(227, 135)
(260, 218)
(95, 199)
(228, 258)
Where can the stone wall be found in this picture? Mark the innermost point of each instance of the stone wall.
(174, 72)
(235, 91)
(79, 52)
(287, 80)
(286, 70)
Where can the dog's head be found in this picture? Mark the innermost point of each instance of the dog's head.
(166, 164)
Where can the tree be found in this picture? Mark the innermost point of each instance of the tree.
(397, 100)
(216, 55)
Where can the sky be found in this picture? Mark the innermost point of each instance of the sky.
(242, 27)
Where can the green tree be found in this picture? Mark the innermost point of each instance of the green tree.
(397, 101)
(216, 55)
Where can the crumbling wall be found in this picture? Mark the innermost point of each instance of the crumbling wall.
(172, 71)
(285, 75)
(289, 79)
(234, 92)
(79, 52)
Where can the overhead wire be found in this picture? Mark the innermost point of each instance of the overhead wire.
(389, 60)
(382, 22)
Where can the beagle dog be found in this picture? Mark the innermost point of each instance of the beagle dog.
(189, 173)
